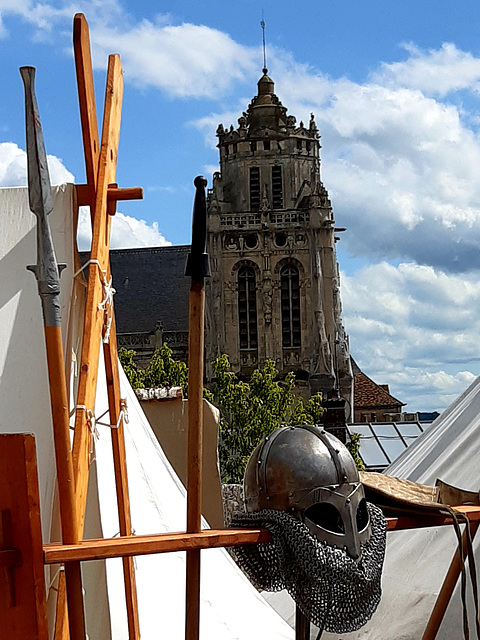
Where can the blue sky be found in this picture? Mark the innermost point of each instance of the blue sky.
(395, 91)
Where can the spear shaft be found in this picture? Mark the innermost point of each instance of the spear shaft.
(47, 272)
(197, 268)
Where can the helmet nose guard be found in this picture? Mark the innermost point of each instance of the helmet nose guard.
(309, 473)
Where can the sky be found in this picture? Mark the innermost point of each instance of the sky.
(395, 89)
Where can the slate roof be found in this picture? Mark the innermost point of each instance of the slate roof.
(150, 286)
(368, 393)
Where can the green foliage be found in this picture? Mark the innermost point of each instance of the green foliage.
(354, 447)
(133, 373)
(251, 410)
(162, 370)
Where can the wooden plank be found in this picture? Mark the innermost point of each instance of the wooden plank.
(424, 520)
(94, 317)
(23, 612)
(121, 479)
(100, 548)
(86, 97)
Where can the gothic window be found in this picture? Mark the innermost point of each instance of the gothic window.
(277, 187)
(247, 308)
(290, 300)
(254, 188)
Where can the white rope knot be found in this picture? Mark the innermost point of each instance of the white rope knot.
(107, 305)
(91, 420)
(123, 410)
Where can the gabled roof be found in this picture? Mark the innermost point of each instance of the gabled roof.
(368, 393)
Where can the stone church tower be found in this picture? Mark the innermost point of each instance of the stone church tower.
(274, 292)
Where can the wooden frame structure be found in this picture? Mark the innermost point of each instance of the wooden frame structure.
(22, 552)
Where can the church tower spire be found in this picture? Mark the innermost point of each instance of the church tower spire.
(275, 292)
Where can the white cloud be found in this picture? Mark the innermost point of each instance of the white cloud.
(436, 71)
(155, 54)
(184, 60)
(127, 232)
(13, 167)
(415, 328)
(400, 164)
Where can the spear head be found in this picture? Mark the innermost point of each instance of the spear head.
(47, 271)
(198, 264)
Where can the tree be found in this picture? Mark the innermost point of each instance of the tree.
(162, 370)
(354, 447)
(251, 410)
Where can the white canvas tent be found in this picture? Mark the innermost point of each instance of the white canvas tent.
(417, 560)
(231, 607)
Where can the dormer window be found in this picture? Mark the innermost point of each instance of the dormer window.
(266, 145)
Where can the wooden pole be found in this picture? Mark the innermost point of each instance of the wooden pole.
(87, 194)
(302, 625)
(47, 273)
(121, 480)
(197, 269)
(448, 586)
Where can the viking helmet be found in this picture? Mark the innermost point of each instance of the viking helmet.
(309, 473)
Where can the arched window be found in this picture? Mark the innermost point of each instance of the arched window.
(290, 298)
(277, 187)
(247, 308)
(254, 188)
